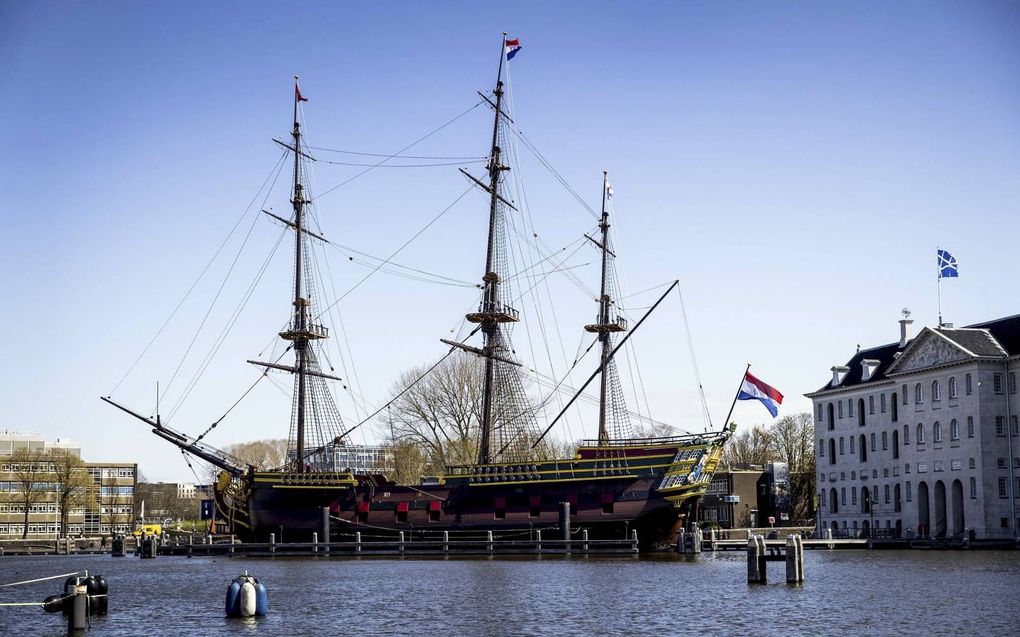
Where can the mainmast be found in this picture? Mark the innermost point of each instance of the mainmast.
(607, 325)
(492, 312)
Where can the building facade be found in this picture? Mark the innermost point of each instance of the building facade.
(731, 500)
(111, 488)
(919, 438)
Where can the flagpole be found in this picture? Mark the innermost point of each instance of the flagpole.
(939, 284)
(726, 423)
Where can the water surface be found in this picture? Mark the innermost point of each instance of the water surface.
(904, 593)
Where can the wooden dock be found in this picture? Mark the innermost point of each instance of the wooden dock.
(778, 543)
(400, 546)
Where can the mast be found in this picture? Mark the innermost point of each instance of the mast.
(300, 304)
(492, 312)
(301, 330)
(606, 325)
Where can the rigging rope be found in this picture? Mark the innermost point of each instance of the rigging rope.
(452, 163)
(397, 251)
(396, 154)
(223, 284)
(694, 361)
(276, 169)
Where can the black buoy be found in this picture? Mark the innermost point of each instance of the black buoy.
(54, 603)
(92, 590)
(101, 603)
(69, 585)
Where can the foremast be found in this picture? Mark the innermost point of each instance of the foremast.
(302, 329)
(612, 409)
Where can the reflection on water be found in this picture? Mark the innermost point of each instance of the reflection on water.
(847, 592)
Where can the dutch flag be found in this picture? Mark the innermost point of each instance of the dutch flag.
(754, 389)
(511, 47)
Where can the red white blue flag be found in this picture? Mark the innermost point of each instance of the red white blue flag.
(754, 389)
(511, 47)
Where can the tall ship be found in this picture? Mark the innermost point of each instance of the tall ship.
(616, 483)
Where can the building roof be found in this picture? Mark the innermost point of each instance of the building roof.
(996, 338)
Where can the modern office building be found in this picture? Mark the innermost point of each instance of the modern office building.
(919, 437)
(112, 490)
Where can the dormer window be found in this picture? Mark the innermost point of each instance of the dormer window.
(839, 372)
(868, 368)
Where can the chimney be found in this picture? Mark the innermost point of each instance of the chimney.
(905, 331)
(838, 374)
(868, 367)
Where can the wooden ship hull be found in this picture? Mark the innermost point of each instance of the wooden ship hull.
(650, 487)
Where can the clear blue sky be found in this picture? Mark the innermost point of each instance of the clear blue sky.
(793, 164)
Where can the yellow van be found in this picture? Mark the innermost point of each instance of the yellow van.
(148, 529)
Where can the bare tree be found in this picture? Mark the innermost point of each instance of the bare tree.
(261, 454)
(441, 413)
(32, 473)
(749, 447)
(791, 440)
(74, 486)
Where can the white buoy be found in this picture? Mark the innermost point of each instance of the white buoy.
(247, 599)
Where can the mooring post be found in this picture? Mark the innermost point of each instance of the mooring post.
(489, 540)
(446, 541)
(233, 540)
(272, 543)
(401, 542)
(800, 557)
(828, 536)
(633, 542)
(584, 539)
(357, 542)
(794, 566)
(756, 560)
(78, 609)
(565, 523)
(325, 528)
(315, 542)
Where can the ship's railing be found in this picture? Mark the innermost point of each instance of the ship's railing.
(498, 308)
(686, 439)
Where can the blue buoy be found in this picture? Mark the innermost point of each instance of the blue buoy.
(246, 597)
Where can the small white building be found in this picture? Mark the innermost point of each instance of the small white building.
(920, 437)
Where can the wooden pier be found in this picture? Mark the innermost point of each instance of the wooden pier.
(533, 544)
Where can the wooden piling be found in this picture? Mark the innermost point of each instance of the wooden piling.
(272, 543)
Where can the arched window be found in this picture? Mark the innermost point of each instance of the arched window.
(954, 430)
(821, 448)
(920, 433)
(918, 395)
(970, 426)
(906, 434)
(860, 412)
(936, 433)
(853, 495)
(832, 451)
(865, 500)
(895, 408)
(936, 390)
(904, 394)
(832, 417)
(954, 392)
(833, 501)
(895, 444)
(864, 448)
